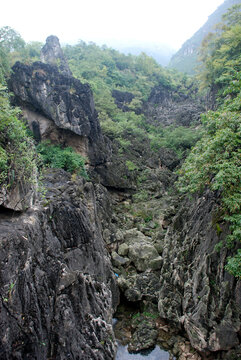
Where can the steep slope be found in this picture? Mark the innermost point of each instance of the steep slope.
(186, 59)
(58, 291)
(195, 290)
(57, 105)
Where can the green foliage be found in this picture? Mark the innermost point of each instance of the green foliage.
(106, 70)
(131, 166)
(141, 195)
(220, 55)
(17, 155)
(10, 40)
(63, 158)
(217, 155)
(13, 48)
(234, 265)
(215, 161)
(180, 139)
(3, 164)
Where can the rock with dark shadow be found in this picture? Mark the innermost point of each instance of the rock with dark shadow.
(166, 106)
(195, 290)
(58, 291)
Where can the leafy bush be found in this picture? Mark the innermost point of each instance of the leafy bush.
(180, 139)
(234, 265)
(17, 154)
(56, 157)
(220, 55)
(131, 166)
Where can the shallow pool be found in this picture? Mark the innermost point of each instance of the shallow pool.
(155, 354)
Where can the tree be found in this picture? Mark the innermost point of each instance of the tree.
(220, 54)
(10, 40)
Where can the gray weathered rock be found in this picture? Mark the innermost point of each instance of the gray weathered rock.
(166, 106)
(141, 286)
(195, 290)
(123, 249)
(118, 260)
(51, 53)
(58, 291)
(58, 106)
(19, 197)
(141, 252)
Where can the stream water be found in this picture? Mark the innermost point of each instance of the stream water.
(151, 354)
(155, 354)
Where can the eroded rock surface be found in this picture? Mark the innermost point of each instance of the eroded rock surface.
(19, 197)
(168, 107)
(64, 103)
(195, 290)
(122, 99)
(58, 291)
(51, 53)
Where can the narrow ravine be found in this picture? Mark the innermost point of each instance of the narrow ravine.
(124, 353)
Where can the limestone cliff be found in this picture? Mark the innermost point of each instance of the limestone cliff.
(195, 290)
(58, 291)
(172, 107)
(59, 107)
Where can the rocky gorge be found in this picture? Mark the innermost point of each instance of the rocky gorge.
(71, 255)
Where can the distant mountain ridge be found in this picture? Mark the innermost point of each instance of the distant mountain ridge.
(160, 52)
(186, 59)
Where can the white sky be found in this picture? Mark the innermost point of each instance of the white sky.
(168, 22)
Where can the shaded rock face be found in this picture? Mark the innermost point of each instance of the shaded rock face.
(122, 99)
(19, 197)
(58, 291)
(60, 108)
(60, 105)
(195, 291)
(60, 98)
(168, 107)
(51, 53)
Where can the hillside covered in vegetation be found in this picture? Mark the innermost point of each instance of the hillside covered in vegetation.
(120, 183)
(186, 59)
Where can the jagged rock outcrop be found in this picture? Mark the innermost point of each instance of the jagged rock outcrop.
(19, 197)
(171, 107)
(59, 107)
(58, 291)
(51, 53)
(195, 290)
(122, 99)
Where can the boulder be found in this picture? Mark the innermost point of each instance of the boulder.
(123, 249)
(141, 251)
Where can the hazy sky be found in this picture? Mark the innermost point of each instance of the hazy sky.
(168, 22)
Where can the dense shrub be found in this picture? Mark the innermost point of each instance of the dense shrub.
(17, 154)
(63, 158)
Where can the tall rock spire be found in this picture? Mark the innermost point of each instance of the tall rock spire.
(52, 53)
